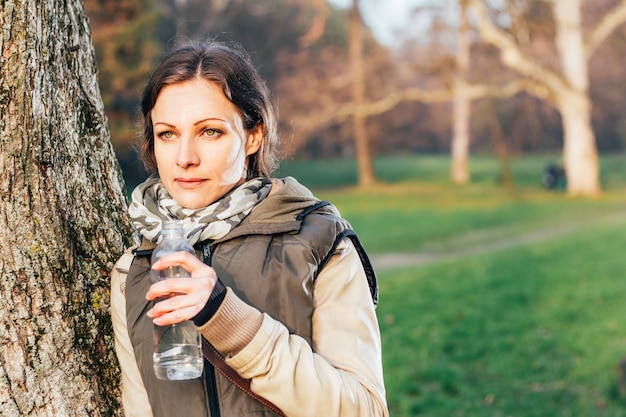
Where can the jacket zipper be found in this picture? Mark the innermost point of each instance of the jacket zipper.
(209, 370)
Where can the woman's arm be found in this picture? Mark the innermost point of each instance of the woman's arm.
(340, 375)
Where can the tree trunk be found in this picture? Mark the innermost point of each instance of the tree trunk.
(580, 154)
(461, 105)
(62, 217)
(363, 154)
(568, 90)
(499, 144)
(460, 140)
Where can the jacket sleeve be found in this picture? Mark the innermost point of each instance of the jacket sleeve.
(134, 396)
(341, 374)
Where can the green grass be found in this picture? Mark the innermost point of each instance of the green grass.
(533, 330)
(434, 169)
(419, 218)
(416, 207)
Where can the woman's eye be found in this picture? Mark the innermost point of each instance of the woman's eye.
(166, 135)
(211, 133)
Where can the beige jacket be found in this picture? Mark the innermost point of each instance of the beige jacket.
(339, 374)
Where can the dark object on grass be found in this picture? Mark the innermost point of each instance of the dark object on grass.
(554, 177)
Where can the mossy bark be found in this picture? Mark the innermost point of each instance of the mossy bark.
(62, 216)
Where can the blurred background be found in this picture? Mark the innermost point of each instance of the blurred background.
(302, 48)
(449, 133)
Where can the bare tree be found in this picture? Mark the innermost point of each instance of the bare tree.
(567, 91)
(499, 144)
(461, 103)
(62, 217)
(357, 67)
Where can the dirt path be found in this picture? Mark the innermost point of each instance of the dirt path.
(491, 241)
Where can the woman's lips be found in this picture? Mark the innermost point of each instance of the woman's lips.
(189, 183)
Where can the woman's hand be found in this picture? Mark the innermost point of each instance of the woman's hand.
(184, 297)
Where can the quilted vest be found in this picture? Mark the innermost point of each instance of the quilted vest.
(270, 266)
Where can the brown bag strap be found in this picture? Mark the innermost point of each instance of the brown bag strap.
(216, 359)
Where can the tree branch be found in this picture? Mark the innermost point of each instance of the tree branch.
(607, 25)
(511, 54)
(333, 114)
(316, 31)
(473, 92)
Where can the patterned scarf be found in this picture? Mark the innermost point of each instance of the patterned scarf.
(151, 204)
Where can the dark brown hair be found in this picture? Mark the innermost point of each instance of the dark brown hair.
(230, 67)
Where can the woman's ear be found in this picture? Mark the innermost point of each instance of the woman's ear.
(255, 139)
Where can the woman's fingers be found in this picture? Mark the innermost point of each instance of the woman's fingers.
(185, 259)
(174, 286)
(182, 298)
(179, 306)
(174, 316)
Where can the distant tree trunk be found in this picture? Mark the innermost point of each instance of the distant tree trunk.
(62, 217)
(568, 90)
(461, 105)
(363, 154)
(499, 142)
(580, 154)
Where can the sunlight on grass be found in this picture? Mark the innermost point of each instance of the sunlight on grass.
(527, 332)
(419, 209)
(534, 330)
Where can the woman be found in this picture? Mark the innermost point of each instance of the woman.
(282, 288)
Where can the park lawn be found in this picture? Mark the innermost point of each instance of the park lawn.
(532, 331)
(427, 217)
(526, 170)
(415, 207)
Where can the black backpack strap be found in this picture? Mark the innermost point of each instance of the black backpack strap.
(312, 208)
(346, 233)
(372, 280)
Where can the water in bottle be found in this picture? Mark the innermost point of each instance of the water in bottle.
(177, 347)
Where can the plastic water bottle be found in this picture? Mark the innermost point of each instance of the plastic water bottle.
(177, 347)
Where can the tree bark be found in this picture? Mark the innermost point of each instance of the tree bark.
(62, 217)
(580, 153)
(363, 153)
(461, 105)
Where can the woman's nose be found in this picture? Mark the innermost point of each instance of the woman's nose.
(187, 153)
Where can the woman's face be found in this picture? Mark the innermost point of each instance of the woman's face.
(200, 144)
